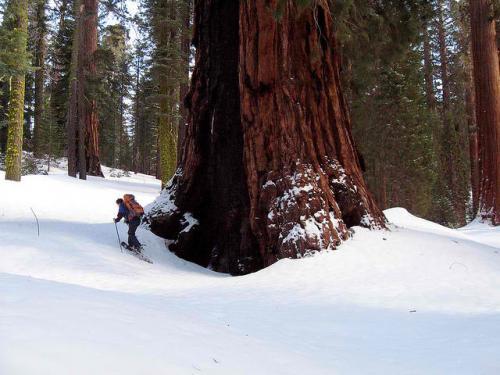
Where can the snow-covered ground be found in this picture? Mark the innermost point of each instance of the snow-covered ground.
(419, 299)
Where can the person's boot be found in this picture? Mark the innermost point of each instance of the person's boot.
(134, 248)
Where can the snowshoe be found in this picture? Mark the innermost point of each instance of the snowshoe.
(136, 252)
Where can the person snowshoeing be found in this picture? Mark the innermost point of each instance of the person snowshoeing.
(131, 211)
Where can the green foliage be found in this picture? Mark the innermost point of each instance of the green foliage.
(59, 55)
(395, 133)
(13, 61)
(403, 140)
(145, 110)
(373, 34)
(164, 21)
(111, 90)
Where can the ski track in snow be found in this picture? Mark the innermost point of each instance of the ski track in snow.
(418, 299)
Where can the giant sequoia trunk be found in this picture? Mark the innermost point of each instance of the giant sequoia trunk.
(487, 89)
(269, 169)
(83, 122)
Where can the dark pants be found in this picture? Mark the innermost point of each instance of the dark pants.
(132, 227)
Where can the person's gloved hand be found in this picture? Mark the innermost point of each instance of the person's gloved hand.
(116, 220)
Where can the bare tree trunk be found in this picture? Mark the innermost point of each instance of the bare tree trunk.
(136, 165)
(13, 157)
(443, 58)
(4, 102)
(41, 52)
(487, 89)
(83, 122)
(72, 117)
(275, 174)
(87, 50)
(428, 70)
(475, 177)
(185, 58)
(169, 84)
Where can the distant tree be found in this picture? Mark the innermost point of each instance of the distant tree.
(113, 87)
(60, 51)
(83, 121)
(487, 100)
(168, 23)
(144, 112)
(40, 63)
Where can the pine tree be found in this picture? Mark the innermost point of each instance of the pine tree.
(394, 122)
(167, 20)
(60, 52)
(144, 111)
(113, 86)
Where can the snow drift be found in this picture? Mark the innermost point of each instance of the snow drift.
(419, 299)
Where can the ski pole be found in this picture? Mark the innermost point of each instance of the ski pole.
(118, 235)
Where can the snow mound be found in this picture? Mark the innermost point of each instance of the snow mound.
(419, 298)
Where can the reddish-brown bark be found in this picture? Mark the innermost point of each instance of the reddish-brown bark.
(297, 131)
(487, 98)
(88, 48)
(72, 116)
(269, 168)
(40, 55)
(83, 121)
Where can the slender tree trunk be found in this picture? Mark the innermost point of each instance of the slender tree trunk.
(475, 177)
(473, 148)
(158, 156)
(428, 71)
(28, 107)
(13, 157)
(443, 58)
(275, 174)
(72, 117)
(186, 10)
(4, 103)
(87, 49)
(169, 92)
(487, 90)
(137, 131)
(41, 52)
(121, 127)
(57, 104)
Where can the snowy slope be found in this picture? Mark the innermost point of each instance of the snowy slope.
(419, 299)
